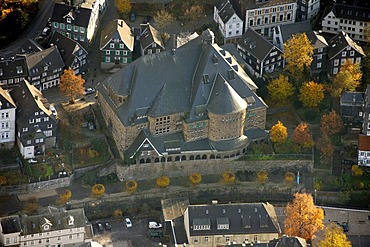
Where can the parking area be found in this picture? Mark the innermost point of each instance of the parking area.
(121, 236)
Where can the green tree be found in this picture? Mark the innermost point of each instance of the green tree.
(311, 94)
(163, 18)
(334, 236)
(298, 53)
(278, 133)
(71, 85)
(280, 88)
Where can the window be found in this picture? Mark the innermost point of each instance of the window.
(227, 238)
(336, 62)
(319, 57)
(62, 25)
(29, 142)
(358, 59)
(121, 46)
(111, 45)
(335, 71)
(344, 53)
(318, 65)
(255, 238)
(124, 53)
(56, 24)
(76, 28)
(352, 53)
(82, 30)
(69, 27)
(31, 121)
(68, 20)
(320, 50)
(117, 53)
(107, 52)
(24, 129)
(107, 59)
(206, 239)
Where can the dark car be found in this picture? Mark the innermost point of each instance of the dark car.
(108, 227)
(345, 226)
(146, 19)
(132, 17)
(100, 227)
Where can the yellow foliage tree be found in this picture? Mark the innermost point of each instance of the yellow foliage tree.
(347, 79)
(131, 185)
(357, 171)
(303, 218)
(3, 180)
(71, 85)
(262, 176)
(163, 181)
(123, 6)
(334, 236)
(302, 136)
(163, 18)
(298, 53)
(331, 124)
(65, 196)
(195, 178)
(280, 88)
(117, 213)
(98, 190)
(278, 133)
(311, 94)
(228, 177)
(289, 177)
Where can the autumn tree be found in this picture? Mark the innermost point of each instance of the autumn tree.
(289, 177)
(331, 124)
(347, 79)
(163, 181)
(163, 18)
(98, 190)
(303, 218)
(195, 178)
(228, 177)
(302, 136)
(278, 133)
(280, 88)
(117, 213)
(326, 148)
(131, 185)
(298, 53)
(262, 176)
(71, 85)
(65, 196)
(334, 236)
(123, 6)
(311, 94)
(193, 13)
(357, 171)
(3, 180)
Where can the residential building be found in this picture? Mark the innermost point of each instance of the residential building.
(12, 71)
(320, 52)
(229, 23)
(36, 125)
(185, 37)
(190, 103)
(341, 48)
(76, 23)
(237, 223)
(7, 120)
(116, 44)
(97, 8)
(60, 228)
(364, 150)
(260, 55)
(44, 68)
(150, 40)
(351, 108)
(282, 33)
(348, 16)
(307, 9)
(366, 112)
(73, 54)
(263, 16)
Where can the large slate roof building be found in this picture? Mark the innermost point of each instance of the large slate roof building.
(191, 103)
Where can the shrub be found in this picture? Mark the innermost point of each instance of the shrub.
(65, 196)
(357, 171)
(262, 176)
(228, 177)
(195, 178)
(98, 190)
(163, 181)
(289, 177)
(117, 213)
(131, 185)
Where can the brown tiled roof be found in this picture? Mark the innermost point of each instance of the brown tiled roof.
(364, 143)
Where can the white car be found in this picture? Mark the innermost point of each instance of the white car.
(154, 225)
(89, 90)
(53, 111)
(128, 223)
(32, 161)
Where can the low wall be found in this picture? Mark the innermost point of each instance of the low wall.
(205, 167)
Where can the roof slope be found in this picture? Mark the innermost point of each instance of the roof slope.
(339, 42)
(225, 10)
(364, 143)
(49, 57)
(117, 29)
(150, 35)
(6, 101)
(288, 30)
(80, 15)
(352, 12)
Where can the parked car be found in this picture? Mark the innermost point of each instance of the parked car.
(128, 223)
(108, 227)
(345, 226)
(89, 90)
(154, 225)
(32, 161)
(46, 31)
(100, 227)
(132, 17)
(53, 111)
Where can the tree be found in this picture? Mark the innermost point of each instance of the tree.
(280, 88)
(15, 22)
(278, 133)
(302, 136)
(98, 190)
(262, 176)
(65, 196)
(195, 178)
(289, 177)
(326, 148)
(71, 85)
(347, 79)
(303, 218)
(193, 13)
(123, 6)
(163, 181)
(331, 124)
(298, 53)
(163, 18)
(117, 213)
(228, 177)
(357, 171)
(131, 185)
(3, 180)
(311, 94)
(334, 236)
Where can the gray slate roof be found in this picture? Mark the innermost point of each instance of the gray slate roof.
(352, 12)
(255, 44)
(49, 57)
(340, 42)
(10, 224)
(117, 29)
(13, 68)
(80, 15)
(288, 30)
(149, 36)
(225, 10)
(243, 218)
(317, 40)
(352, 98)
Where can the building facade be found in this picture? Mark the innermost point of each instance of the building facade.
(12, 71)
(229, 23)
(150, 40)
(7, 120)
(116, 44)
(307, 9)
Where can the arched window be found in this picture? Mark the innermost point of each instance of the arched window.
(204, 157)
(156, 160)
(191, 157)
(183, 157)
(169, 159)
(148, 160)
(197, 157)
(177, 158)
(212, 157)
(163, 159)
(142, 161)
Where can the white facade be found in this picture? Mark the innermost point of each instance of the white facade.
(363, 158)
(7, 126)
(232, 29)
(264, 19)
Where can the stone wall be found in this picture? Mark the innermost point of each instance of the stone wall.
(205, 167)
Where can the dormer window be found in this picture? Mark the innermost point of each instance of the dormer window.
(223, 223)
(201, 224)
(71, 220)
(19, 69)
(46, 227)
(68, 20)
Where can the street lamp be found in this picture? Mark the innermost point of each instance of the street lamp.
(315, 195)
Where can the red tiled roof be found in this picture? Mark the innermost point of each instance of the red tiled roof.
(364, 143)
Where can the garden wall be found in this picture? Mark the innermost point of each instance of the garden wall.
(37, 186)
(205, 167)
